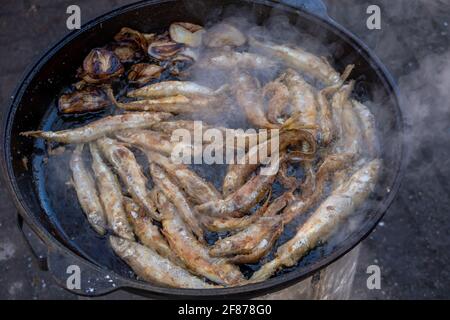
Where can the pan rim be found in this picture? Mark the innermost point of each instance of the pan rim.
(267, 286)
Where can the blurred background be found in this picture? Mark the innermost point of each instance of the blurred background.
(411, 244)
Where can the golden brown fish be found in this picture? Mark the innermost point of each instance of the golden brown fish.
(174, 88)
(86, 192)
(102, 127)
(260, 250)
(193, 253)
(278, 95)
(331, 164)
(245, 241)
(324, 221)
(302, 98)
(325, 119)
(301, 60)
(250, 138)
(368, 129)
(176, 196)
(198, 189)
(147, 233)
(250, 99)
(150, 266)
(174, 104)
(238, 173)
(110, 196)
(230, 223)
(352, 129)
(148, 140)
(339, 99)
(129, 171)
(246, 196)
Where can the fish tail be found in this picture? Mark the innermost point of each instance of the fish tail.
(222, 90)
(35, 134)
(348, 70)
(112, 98)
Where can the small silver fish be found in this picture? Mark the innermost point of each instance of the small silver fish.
(102, 127)
(110, 196)
(150, 266)
(87, 194)
(129, 171)
(325, 220)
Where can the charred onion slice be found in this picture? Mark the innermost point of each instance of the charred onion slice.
(164, 50)
(86, 100)
(101, 64)
(130, 35)
(187, 54)
(165, 36)
(178, 65)
(187, 33)
(144, 72)
(224, 34)
(128, 52)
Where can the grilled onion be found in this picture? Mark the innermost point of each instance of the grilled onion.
(163, 50)
(101, 65)
(187, 33)
(86, 100)
(128, 52)
(144, 72)
(223, 34)
(133, 36)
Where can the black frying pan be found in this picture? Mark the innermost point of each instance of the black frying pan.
(52, 211)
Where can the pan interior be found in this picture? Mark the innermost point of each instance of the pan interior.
(41, 181)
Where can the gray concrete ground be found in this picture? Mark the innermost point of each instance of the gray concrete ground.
(411, 245)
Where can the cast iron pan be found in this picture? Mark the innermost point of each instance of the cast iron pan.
(52, 212)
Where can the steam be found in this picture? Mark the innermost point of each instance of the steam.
(418, 57)
(423, 77)
(427, 112)
(414, 44)
(276, 29)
